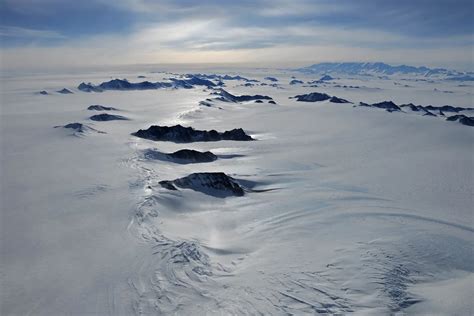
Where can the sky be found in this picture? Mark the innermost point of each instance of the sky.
(72, 33)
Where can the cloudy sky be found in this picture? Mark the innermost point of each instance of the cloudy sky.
(57, 33)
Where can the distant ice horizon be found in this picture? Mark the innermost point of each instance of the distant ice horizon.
(193, 66)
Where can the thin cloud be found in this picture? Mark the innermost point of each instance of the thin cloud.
(21, 32)
(149, 31)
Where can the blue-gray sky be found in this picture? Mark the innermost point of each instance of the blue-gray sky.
(71, 32)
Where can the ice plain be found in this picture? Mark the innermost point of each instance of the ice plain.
(349, 210)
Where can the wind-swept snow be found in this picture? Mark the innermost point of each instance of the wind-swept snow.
(334, 209)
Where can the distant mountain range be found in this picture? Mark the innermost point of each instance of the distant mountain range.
(382, 69)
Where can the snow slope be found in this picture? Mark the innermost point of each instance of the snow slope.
(347, 209)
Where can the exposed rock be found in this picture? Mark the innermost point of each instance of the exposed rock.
(168, 185)
(122, 84)
(184, 156)
(193, 155)
(338, 100)
(313, 97)
(294, 81)
(455, 117)
(180, 134)
(444, 108)
(88, 87)
(108, 117)
(463, 119)
(258, 101)
(228, 97)
(221, 77)
(412, 107)
(326, 78)
(43, 92)
(447, 108)
(97, 107)
(428, 113)
(205, 103)
(387, 105)
(346, 87)
(79, 128)
(467, 120)
(65, 91)
(212, 183)
(194, 81)
(272, 102)
(271, 79)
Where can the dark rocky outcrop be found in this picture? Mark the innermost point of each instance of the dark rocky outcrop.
(463, 119)
(412, 107)
(79, 128)
(272, 102)
(346, 86)
(125, 85)
(428, 113)
(295, 81)
(271, 79)
(444, 108)
(455, 117)
(205, 103)
(447, 108)
(122, 84)
(193, 81)
(317, 97)
(97, 107)
(258, 101)
(313, 97)
(184, 156)
(65, 91)
(193, 155)
(180, 134)
(326, 78)
(88, 87)
(467, 120)
(212, 183)
(386, 105)
(221, 77)
(108, 117)
(43, 92)
(334, 99)
(228, 97)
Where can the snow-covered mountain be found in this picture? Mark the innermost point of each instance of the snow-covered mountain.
(383, 69)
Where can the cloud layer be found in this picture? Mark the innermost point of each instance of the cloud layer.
(437, 32)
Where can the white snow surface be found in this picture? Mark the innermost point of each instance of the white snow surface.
(352, 210)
